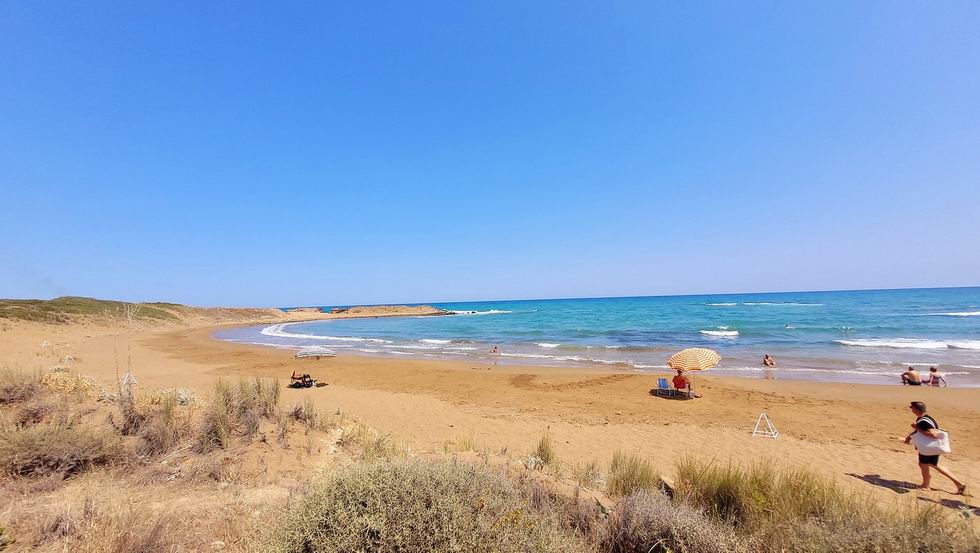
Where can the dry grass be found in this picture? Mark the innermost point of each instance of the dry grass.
(630, 473)
(589, 474)
(306, 413)
(165, 427)
(19, 386)
(238, 409)
(48, 449)
(798, 510)
(647, 521)
(546, 449)
(411, 506)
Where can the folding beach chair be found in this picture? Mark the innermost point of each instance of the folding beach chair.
(664, 389)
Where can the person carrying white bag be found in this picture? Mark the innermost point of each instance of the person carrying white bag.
(931, 443)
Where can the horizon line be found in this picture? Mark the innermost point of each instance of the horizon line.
(642, 296)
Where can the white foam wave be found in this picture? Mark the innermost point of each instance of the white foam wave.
(965, 344)
(464, 348)
(958, 314)
(912, 343)
(792, 303)
(412, 346)
(720, 333)
(547, 345)
(723, 304)
(434, 341)
(488, 312)
(279, 332)
(854, 371)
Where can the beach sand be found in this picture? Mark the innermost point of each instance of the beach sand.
(852, 432)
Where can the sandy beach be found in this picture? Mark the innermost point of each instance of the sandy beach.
(852, 432)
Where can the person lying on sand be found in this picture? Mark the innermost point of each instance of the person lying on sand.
(936, 378)
(911, 377)
(768, 361)
(927, 426)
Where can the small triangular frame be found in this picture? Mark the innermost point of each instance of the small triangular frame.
(764, 427)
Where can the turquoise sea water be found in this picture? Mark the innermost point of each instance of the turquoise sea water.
(862, 336)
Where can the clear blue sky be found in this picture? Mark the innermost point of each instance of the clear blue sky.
(354, 152)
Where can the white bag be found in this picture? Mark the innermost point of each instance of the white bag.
(932, 446)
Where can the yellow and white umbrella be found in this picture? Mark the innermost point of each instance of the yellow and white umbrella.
(694, 359)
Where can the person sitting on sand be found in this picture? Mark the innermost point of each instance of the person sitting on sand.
(926, 425)
(768, 361)
(683, 385)
(681, 382)
(936, 378)
(911, 377)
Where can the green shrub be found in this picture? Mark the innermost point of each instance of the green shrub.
(629, 473)
(413, 506)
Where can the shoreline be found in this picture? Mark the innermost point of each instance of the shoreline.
(801, 372)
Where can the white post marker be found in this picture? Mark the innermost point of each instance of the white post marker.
(767, 430)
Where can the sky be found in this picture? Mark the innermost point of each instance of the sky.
(322, 153)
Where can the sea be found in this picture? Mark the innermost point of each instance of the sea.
(867, 336)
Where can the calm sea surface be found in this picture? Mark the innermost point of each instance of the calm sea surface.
(856, 336)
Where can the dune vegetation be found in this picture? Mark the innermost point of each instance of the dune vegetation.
(238, 469)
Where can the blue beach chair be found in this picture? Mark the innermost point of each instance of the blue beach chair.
(664, 389)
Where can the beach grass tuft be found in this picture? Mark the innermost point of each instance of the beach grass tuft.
(798, 510)
(629, 473)
(545, 449)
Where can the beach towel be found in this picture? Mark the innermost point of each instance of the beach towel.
(932, 446)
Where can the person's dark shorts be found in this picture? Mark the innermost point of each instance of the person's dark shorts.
(929, 460)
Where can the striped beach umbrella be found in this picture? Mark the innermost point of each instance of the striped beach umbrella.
(694, 359)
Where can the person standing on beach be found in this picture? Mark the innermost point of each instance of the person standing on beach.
(925, 424)
(911, 377)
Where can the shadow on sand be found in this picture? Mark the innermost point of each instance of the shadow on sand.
(954, 504)
(681, 396)
(897, 486)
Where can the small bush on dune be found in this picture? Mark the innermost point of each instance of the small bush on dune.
(19, 386)
(47, 449)
(648, 521)
(411, 506)
(629, 473)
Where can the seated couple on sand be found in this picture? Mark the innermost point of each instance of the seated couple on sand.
(911, 377)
